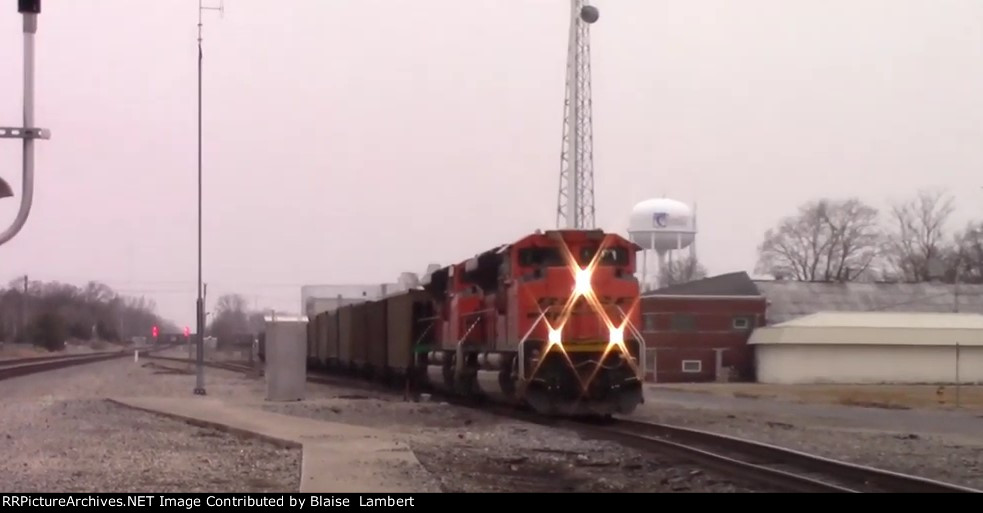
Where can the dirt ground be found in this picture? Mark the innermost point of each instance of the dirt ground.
(874, 396)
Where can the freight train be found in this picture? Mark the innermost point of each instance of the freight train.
(547, 322)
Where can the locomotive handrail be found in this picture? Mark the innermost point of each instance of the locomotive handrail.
(476, 312)
(642, 357)
(520, 349)
(425, 331)
(459, 352)
(421, 348)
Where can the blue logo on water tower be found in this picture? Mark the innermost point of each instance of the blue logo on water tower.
(660, 219)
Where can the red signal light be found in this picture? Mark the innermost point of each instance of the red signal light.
(155, 331)
(187, 332)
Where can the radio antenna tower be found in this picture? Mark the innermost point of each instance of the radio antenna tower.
(575, 204)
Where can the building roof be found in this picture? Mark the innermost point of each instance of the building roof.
(905, 320)
(876, 328)
(789, 299)
(730, 284)
(279, 317)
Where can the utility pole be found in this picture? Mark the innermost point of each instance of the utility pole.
(28, 132)
(200, 306)
(23, 310)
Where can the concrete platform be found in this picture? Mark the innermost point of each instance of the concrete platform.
(337, 458)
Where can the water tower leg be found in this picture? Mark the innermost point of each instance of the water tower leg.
(645, 276)
(662, 268)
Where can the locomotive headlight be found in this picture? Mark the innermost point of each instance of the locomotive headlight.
(554, 336)
(616, 336)
(581, 283)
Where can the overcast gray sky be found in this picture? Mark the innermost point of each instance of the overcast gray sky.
(347, 141)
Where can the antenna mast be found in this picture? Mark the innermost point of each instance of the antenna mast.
(200, 305)
(575, 204)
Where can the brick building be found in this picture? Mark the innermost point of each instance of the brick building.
(698, 331)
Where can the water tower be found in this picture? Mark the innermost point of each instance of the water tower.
(660, 225)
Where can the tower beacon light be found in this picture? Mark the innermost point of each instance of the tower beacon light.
(589, 13)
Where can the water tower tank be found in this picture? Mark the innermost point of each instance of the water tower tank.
(662, 225)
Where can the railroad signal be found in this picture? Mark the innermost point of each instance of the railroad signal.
(187, 332)
(154, 331)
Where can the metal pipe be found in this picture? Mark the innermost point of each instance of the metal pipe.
(27, 197)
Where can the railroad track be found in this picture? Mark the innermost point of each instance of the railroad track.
(15, 367)
(779, 467)
(771, 465)
(230, 366)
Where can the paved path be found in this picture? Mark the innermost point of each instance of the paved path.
(337, 458)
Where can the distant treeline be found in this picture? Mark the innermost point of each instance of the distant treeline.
(846, 239)
(49, 313)
(232, 320)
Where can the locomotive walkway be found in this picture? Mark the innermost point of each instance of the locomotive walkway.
(337, 458)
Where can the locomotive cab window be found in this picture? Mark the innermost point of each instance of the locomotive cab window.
(612, 256)
(540, 257)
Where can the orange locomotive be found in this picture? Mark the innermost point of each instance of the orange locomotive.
(549, 321)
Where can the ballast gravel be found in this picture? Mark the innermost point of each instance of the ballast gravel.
(470, 451)
(956, 459)
(58, 434)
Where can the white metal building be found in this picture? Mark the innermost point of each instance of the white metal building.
(871, 347)
(315, 299)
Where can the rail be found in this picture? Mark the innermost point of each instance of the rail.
(781, 467)
(16, 367)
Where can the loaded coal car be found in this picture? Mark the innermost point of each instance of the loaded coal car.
(330, 342)
(312, 361)
(411, 332)
(376, 355)
(359, 341)
(344, 338)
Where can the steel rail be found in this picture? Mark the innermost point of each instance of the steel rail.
(17, 367)
(31, 359)
(803, 471)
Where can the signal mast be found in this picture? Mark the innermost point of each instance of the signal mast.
(575, 203)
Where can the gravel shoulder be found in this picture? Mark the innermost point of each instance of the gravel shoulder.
(946, 448)
(471, 451)
(59, 435)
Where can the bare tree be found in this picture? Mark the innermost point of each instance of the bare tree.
(51, 312)
(829, 240)
(918, 236)
(963, 259)
(682, 270)
(231, 317)
(230, 303)
(257, 322)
